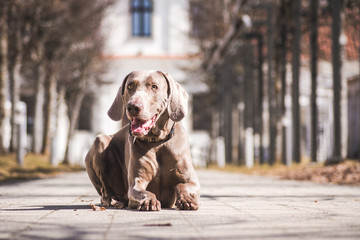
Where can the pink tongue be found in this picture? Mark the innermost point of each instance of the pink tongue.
(141, 127)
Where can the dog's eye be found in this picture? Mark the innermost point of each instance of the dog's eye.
(130, 86)
(154, 87)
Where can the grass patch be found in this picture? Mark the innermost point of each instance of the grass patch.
(347, 172)
(35, 166)
(257, 169)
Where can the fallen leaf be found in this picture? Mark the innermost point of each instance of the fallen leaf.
(93, 207)
(158, 225)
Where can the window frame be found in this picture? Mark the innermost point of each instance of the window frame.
(141, 18)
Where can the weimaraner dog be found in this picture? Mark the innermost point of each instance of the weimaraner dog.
(147, 164)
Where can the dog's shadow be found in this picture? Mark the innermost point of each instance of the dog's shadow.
(50, 208)
(92, 207)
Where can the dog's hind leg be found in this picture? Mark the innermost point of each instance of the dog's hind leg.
(107, 171)
(92, 160)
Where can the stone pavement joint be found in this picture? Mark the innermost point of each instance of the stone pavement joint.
(232, 206)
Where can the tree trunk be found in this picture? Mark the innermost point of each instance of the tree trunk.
(336, 66)
(314, 47)
(14, 64)
(3, 71)
(38, 124)
(14, 72)
(39, 113)
(271, 86)
(50, 111)
(295, 84)
(74, 112)
(282, 21)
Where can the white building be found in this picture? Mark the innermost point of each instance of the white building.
(142, 34)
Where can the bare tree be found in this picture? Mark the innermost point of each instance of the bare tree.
(14, 22)
(215, 25)
(37, 18)
(81, 76)
(55, 46)
(55, 31)
(3, 67)
(82, 66)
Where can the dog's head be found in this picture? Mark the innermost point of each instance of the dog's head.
(144, 95)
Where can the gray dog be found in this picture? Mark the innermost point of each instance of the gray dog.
(147, 164)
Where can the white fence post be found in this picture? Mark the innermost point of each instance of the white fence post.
(20, 122)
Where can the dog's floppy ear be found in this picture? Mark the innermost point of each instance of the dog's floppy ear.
(117, 109)
(178, 99)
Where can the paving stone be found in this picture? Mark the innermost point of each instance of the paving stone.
(233, 206)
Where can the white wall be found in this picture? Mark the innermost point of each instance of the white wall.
(168, 50)
(170, 31)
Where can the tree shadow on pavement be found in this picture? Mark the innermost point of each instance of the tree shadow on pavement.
(51, 208)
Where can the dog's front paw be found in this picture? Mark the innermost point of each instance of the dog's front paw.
(145, 202)
(186, 202)
(149, 204)
(117, 203)
(106, 201)
(113, 202)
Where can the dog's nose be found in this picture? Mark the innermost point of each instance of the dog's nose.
(134, 108)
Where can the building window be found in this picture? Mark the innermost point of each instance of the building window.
(141, 11)
(85, 115)
(202, 117)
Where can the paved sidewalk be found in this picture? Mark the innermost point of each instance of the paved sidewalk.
(233, 206)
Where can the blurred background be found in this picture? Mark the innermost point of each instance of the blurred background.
(272, 81)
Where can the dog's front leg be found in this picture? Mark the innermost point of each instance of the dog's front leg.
(187, 195)
(140, 198)
(141, 173)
